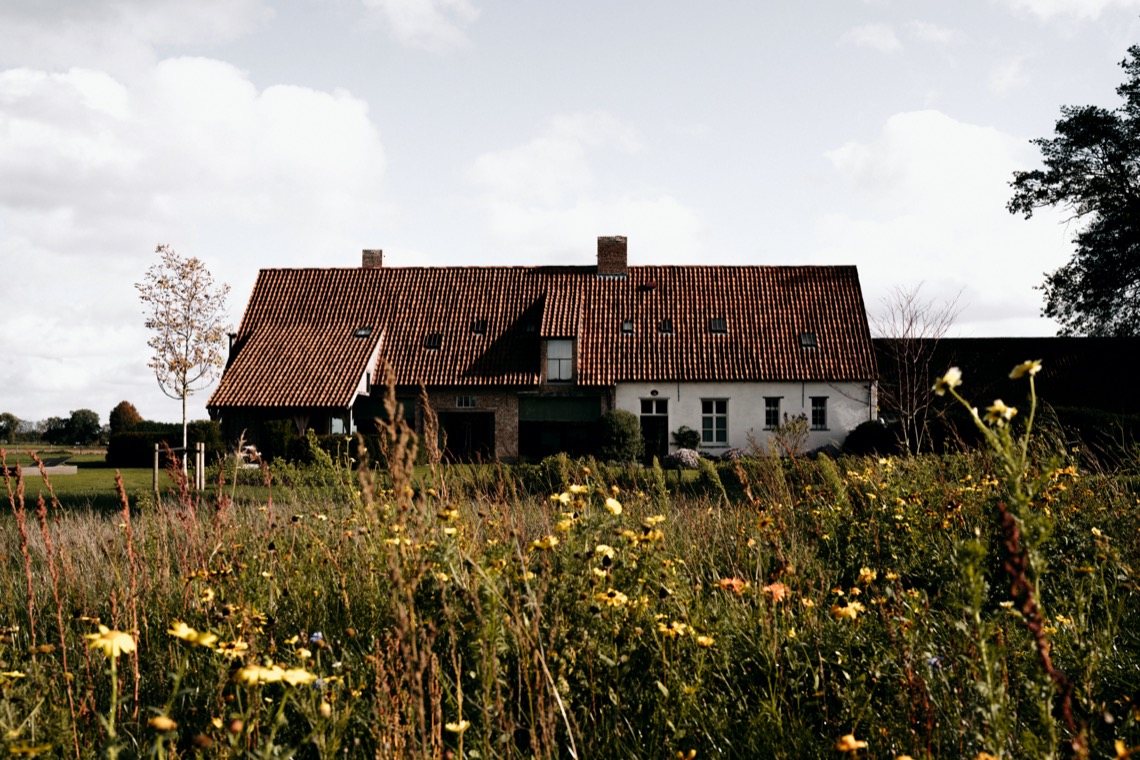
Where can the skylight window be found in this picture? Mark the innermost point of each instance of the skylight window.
(718, 325)
(666, 326)
(362, 332)
(479, 327)
(807, 340)
(432, 341)
(627, 327)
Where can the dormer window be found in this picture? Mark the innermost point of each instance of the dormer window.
(627, 327)
(362, 332)
(718, 325)
(433, 341)
(559, 361)
(479, 327)
(666, 326)
(807, 340)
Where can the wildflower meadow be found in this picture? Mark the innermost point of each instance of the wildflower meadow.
(978, 604)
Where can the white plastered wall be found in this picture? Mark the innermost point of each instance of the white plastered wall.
(848, 405)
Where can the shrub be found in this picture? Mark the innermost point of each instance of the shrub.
(872, 438)
(685, 437)
(619, 437)
(683, 459)
(708, 480)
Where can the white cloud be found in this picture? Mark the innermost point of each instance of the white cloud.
(98, 170)
(430, 24)
(928, 195)
(1082, 9)
(547, 195)
(1008, 75)
(880, 37)
(928, 32)
(116, 35)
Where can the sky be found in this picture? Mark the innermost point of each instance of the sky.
(295, 133)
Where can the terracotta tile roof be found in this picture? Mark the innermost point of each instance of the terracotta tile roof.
(290, 344)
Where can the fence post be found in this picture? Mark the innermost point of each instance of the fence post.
(200, 468)
(155, 478)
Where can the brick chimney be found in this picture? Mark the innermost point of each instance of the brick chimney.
(372, 258)
(612, 259)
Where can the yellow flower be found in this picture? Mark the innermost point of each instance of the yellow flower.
(1031, 368)
(705, 641)
(457, 728)
(604, 550)
(849, 612)
(546, 542)
(999, 413)
(867, 576)
(578, 489)
(162, 723)
(254, 674)
(612, 598)
(303, 654)
(113, 643)
(564, 525)
(613, 506)
(653, 521)
(561, 498)
(850, 744)
(180, 630)
(297, 676)
(952, 379)
(233, 649)
(674, 629)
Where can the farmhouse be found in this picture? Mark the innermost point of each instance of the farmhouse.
(522, 361)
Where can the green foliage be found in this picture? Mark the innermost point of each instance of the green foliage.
(708, 480)
(136, 448)
(865, 596)
(685, 437)
(9, 425)
(1091, 167)
(83, 427)
(619, 437)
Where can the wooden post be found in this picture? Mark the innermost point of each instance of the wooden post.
(200, 468)
(155, 473)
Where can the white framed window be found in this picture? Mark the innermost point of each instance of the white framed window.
(465, 402)
(714, 422)
(772, 412)
(559, 360)
(819, 412)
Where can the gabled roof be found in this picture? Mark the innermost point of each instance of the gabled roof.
(291, 347)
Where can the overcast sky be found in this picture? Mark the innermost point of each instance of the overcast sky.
(290, 133)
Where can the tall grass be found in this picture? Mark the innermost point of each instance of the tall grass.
(834, 603)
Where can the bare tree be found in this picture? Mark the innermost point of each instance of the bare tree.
(909, 327)
(187, 314)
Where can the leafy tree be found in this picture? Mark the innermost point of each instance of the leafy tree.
(186, 313)
(124, 417)
(1092, 170)
(83, 427)
(55, 431)
(9, 424)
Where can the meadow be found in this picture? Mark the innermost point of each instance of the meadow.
(971, 605)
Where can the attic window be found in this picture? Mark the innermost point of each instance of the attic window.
(362, 332)
(718, 325)
(479, 327)
(807, 340)
(627, 327)
(432, 341)
(666, 326)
